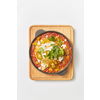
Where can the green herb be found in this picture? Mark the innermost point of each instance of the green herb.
(50, 54)
(60, 43)
(55, 55)
(61, 52)
(55, 52)
(44, 56)
(41, 50)
(52, 45)
(51, 57)
(52, 38)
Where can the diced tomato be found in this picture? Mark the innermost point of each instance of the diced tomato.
(46, 70)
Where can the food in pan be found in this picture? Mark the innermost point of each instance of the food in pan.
(51, 52)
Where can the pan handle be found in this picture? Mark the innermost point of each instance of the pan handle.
(62, 73)
(38, 32)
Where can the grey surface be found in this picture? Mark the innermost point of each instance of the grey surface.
(65, 12)
(38, 32)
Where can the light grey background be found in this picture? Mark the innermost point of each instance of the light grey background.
(61, 12)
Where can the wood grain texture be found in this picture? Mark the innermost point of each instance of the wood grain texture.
(34, 74)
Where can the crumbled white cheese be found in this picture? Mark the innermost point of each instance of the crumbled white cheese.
(52, 42)
(43, 66)
(38, 43)
(43, 54)
(42, 46)
(46, 36)
(55, 58)
(60, 58)
(41, 40)
(63, 45)
(49, 48)
(65, 40)
(39, 67)
(38, 60)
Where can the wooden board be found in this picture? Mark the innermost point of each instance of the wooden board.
(34, 74)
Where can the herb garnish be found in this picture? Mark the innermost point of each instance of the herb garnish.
(44, 56)
(60, 43)
(55, 52)
(52, 38)
(41, 50)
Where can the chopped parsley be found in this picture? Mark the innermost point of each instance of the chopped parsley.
(52, 38)
(60, 43)
(52, 45)
(41, 50)
(44, 56)
(55, 52)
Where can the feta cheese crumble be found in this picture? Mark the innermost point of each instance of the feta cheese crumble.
(38, 60)
(60, 58)
(47, 46)
(55, 58)
(65, 40)
(43, 66)
(38, 43)
(39, 67)
(63, 45)
(46, 36)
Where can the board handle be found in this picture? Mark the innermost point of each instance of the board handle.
(38, 32)
(62, 73)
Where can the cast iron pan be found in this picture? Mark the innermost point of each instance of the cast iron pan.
(39, 32)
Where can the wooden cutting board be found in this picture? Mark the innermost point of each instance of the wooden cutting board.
(34, 74)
